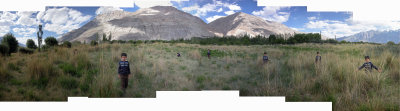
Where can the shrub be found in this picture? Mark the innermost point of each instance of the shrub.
(76, 42)
(70, 69)
(113, 41)
(41, 71)
(11, 42)
(139, 42)
(13, 66)
(31, 44)
(67, 44)
(93, 43)
(40, 83)
(51, 41)
(391, 43)
(68, 82)
(4, 50)
(121, 41)
(26, 50)
(4, 74)
(45, 47)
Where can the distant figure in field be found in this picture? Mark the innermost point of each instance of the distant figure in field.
(124, 71)
(265, 58)
(209, 54)
(318, 58)
(368, 65)
(75, 51)
(178, 54)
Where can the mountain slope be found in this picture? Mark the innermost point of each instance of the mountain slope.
(241, 23)
(374, 36)
(155, 23)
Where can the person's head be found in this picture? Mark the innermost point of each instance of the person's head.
(265, 53)
(317, 53)
(123, 56)
(40, 26)
(366, 58)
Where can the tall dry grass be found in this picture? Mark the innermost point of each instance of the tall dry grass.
(291, 72)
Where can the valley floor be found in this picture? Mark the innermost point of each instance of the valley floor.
(54, 74)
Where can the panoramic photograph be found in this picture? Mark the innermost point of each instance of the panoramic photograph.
(195, 45)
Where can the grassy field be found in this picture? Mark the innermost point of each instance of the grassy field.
(54, 74)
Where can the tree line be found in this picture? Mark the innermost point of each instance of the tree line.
(257, 40)
(9, 44)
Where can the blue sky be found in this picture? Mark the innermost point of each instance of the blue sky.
(60, 20)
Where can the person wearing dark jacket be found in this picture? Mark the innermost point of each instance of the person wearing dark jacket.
(318, 58)
(124, 71)
(209, 53)
(368, 65)
(265, 58)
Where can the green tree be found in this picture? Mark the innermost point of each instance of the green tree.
(109, 37)
(93, 43)
(271, 39)
(343, 41)
(51, 41)
(11, 42)
(26, 50)
(4, 49)
(391, 43)
(31, 44)
(67, 44)
(104, 37)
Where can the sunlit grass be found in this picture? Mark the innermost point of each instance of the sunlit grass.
(58, 72)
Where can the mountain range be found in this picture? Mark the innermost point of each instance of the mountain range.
(169, 23)
(374, 36)
(241, 23)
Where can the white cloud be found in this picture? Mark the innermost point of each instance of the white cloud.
(202, 11)
(23, 40)
(273, 13)
(26, 18)
(332, 28)
(219, 10)
(190, 8)
(210, 19)
(105, 9)
(370, 10)
(24, 31)
(297, 29)
(234, 7)
(61, 20)
(4, 30)
(6, 20)
(8, 16)
(311, 18)
(229, 12)
(214, 6)
(151, 3)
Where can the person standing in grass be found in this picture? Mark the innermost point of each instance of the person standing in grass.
(265, 58)
(368, 65)
(124, 71)
(178, 54)
(209, 54)
(318, 58)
